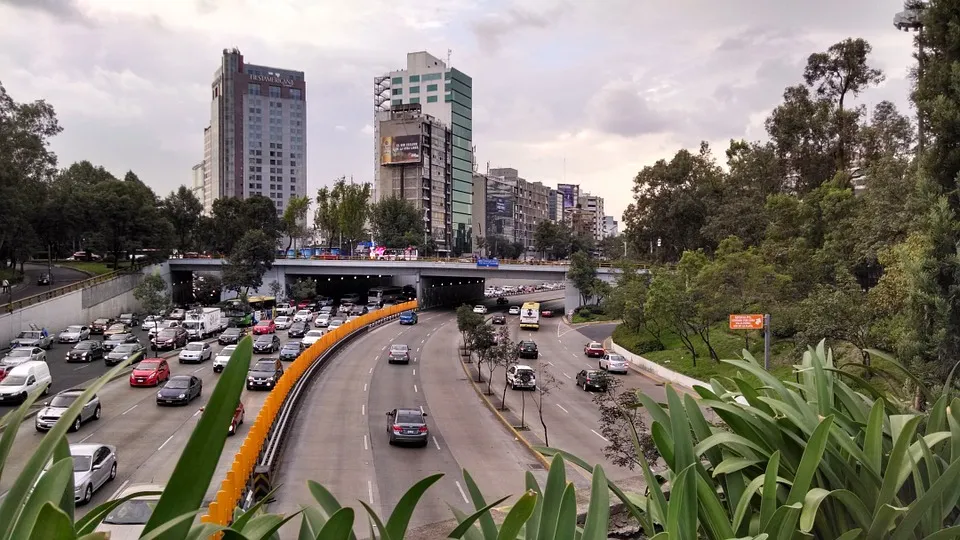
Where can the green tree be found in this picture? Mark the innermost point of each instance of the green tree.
(207, 288)
(326, 216)
(183, 209)
(545, 238)
(250, 259)
(467, 321)
(669, 305)
(151, 292)
(353, 206)
(304, 289)
(294, 219)
(583, 274)
(128, 216)
(396, 223)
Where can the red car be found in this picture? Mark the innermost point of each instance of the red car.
(150, 372)
(3, 371)
(594, 349)
(303, 304)
(546, 314)
(265, 327)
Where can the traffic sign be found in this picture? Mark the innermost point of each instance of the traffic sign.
(746, 322)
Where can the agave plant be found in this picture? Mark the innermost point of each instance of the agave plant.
(811, 459)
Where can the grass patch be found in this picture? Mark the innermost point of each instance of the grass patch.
(95, 268)
(586, 316)
(11, 275)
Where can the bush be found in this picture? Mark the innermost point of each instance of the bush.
(637, 343)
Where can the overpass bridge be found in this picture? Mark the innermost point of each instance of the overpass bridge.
(438, 282)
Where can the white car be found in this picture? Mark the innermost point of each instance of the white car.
(129, 519)
(514, 310)
(283, 322)
(520, 377)
(614, 363)
(162, 325)
(326, 309)
(150, 321)
(286, 309)
(322, 320)
(93, 466)
(74, 334)
(304, 315)
(24, 354)
(222, 358)
(311, 337)
(482, 310)
(334, 324)
(195, 351)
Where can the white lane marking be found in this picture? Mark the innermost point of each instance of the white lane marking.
(196, 413)
(384, 348)
(198, 370)
(562, 409)
(364, 387)
(422, 341)
(363, 409)
(370, 491)
(165, 443)
(414, 372)
(436, 443)
(415, 388)
(549, 363)
(119, 489)
(414, 360)
(462, 493)
(128, 410)
(83, 440)
(601, 436)
(366, 443)
(421, 410)
(418, 349)
(589, 366)
(565, 375)
(85, 366)
(371, 369)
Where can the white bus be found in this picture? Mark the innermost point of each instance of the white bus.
(530, 316)
(385, 295)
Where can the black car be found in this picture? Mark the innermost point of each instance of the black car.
(528, 349)
(291, 351)
(86, 351)
(592, 379)
(501, 301)
(112, 341)
(171, 338)
(499, 319)
(264, 374)
(297, 330)
(231, 336)
(180, 390)
(267, 344)
(44, 279)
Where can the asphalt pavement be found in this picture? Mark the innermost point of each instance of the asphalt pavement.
(597, 332)
(62, 277)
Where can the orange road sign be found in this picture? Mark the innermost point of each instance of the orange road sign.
(746, 322)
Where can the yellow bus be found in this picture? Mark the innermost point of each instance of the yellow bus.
(530, 316)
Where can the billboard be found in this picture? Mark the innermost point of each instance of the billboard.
(400, 149)
(570, 193)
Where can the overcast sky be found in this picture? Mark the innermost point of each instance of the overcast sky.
(605, 86)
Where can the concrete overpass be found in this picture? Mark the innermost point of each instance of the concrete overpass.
(437, 282)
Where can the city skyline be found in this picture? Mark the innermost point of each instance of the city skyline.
(558, 83)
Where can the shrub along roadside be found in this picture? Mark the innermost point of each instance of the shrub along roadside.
(812, 459)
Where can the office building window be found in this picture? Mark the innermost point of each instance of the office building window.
(397, 80)
(397, 102)
(253, 89)
(431, 88)
(296, 93)
(414, 89)
(414, 78)
(275, 92)
(431, 77)
(414, 100)
(397, 91)
(431, 99)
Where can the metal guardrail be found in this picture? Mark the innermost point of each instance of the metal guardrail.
(263, 444)
(10, 307)
(419, 259)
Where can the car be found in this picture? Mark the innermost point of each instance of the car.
(220, 362)
(613, 363)
(594, 349)
(264, 374)
(150, 372)
(304, 315)
(357, 310)
(521, 377)
(498, 319)
(482, 310)
(129, 319)
(163, 325)
(303, 304)
(237, 419)
(119, 339)
(231, 335)
(398, 354)
(86, 351)
(150, 321)
(195, 352)
(171, 338)
(43, 279)
(267, 344)
(54, 409)
(4, 369)
(122, 353)
(514, 310)
(592, 379)
(546, 313)
(322, 320)
(33, 338)
(284, 308)
(528, 349)
(407, 426)
(297, 330)
(180, 390)
(311, 337)
(350, 298)
(99, 326)
(291, 350)
(325, 301)
(501, 301)
(129, 518)
(283, 322)
(263, 327)
(93, 466)
(372, 306)
(178, 314)
(353, 318)
(116, 328)
(408, 317)
(335, 323)
(327, 308)
(74, 334)
(24, 354)
(20, 381)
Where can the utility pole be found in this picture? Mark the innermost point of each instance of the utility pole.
(766, 342)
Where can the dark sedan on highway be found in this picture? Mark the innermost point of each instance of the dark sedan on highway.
(266, 344)
(122, 352)
(290, 351)
(171, 338)
(99, 326)
(499, 319)
(180, 390)
(297, 330)
(231, 336)
(86, 351)
(264, 374)
(111, 342)
(407, 426)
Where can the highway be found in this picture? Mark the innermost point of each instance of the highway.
(62, 276)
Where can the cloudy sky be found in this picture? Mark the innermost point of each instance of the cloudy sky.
(587, 91)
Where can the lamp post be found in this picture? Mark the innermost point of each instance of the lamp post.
(911, 19)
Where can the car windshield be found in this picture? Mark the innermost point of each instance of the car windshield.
(303, 312)
(264, 339)
(126, 316)
(118, 337)
(264, 366)
(132, 512)
(263, 323)
(194, 346)
(13, 380)
(291, 347)
(315, 333)
(409, 419)
(227, 351)
(398, 348)
(168, 334)
(118, 327)
(62, 401)
(148, 366)
(282, 319)
(615, 358)
(20, 353)
(593, 373)
(595, 345)
(29, 335)
(178, 383)
(478, 307)
(101, 321)
(231, 332)
(73, 329)
(81, 463)
(529, 345)
(125, 348)
(84, 346)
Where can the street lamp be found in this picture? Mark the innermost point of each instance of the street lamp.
(911, 19)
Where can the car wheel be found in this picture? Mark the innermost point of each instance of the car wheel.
(76, 425)
(96, 413)
(113, 471)
(87, 494)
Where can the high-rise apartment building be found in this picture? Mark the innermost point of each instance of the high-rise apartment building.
(610, 227)
(530, 205)
(445, 94)
(196, 184)
(594, 204)
(257, 136)
(555, 206)
(414, 164)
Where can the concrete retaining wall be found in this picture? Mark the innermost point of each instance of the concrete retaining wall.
(108, 290)
(656, 369)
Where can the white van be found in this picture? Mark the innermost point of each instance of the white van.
(23, 379)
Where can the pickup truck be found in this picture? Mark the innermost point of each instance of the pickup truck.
(33, 338)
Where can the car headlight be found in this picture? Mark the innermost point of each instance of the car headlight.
(159, 394)
(181, 396)
(250, 379)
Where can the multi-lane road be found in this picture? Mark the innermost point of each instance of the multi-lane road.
(62, 276)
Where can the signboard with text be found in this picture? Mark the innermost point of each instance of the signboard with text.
(488, 263)
(400, 149)
(746, 322)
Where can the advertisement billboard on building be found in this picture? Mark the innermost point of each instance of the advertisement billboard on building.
(400, 149)
(570, 194)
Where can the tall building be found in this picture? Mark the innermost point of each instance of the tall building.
(414, 164)
(257, 134)
(610, 227)
(196, 185)
(209, 189)
(530, 205)
(445, 94)
(594, 204)
(569, 196)
(555, 206)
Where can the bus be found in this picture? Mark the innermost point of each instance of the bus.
(238, 313)
(530, 316)
(385, 295)
(262, 303)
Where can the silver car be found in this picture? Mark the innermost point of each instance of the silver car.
(32, 338)
(195, 351)
(614, 363)
(56, 407)
(122, 352)
(407, 426)
(150, 321)
(93, 466)
(74, 334)
(220, 361)
(24, 354)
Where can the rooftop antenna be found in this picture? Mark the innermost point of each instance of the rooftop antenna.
(449, 52)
